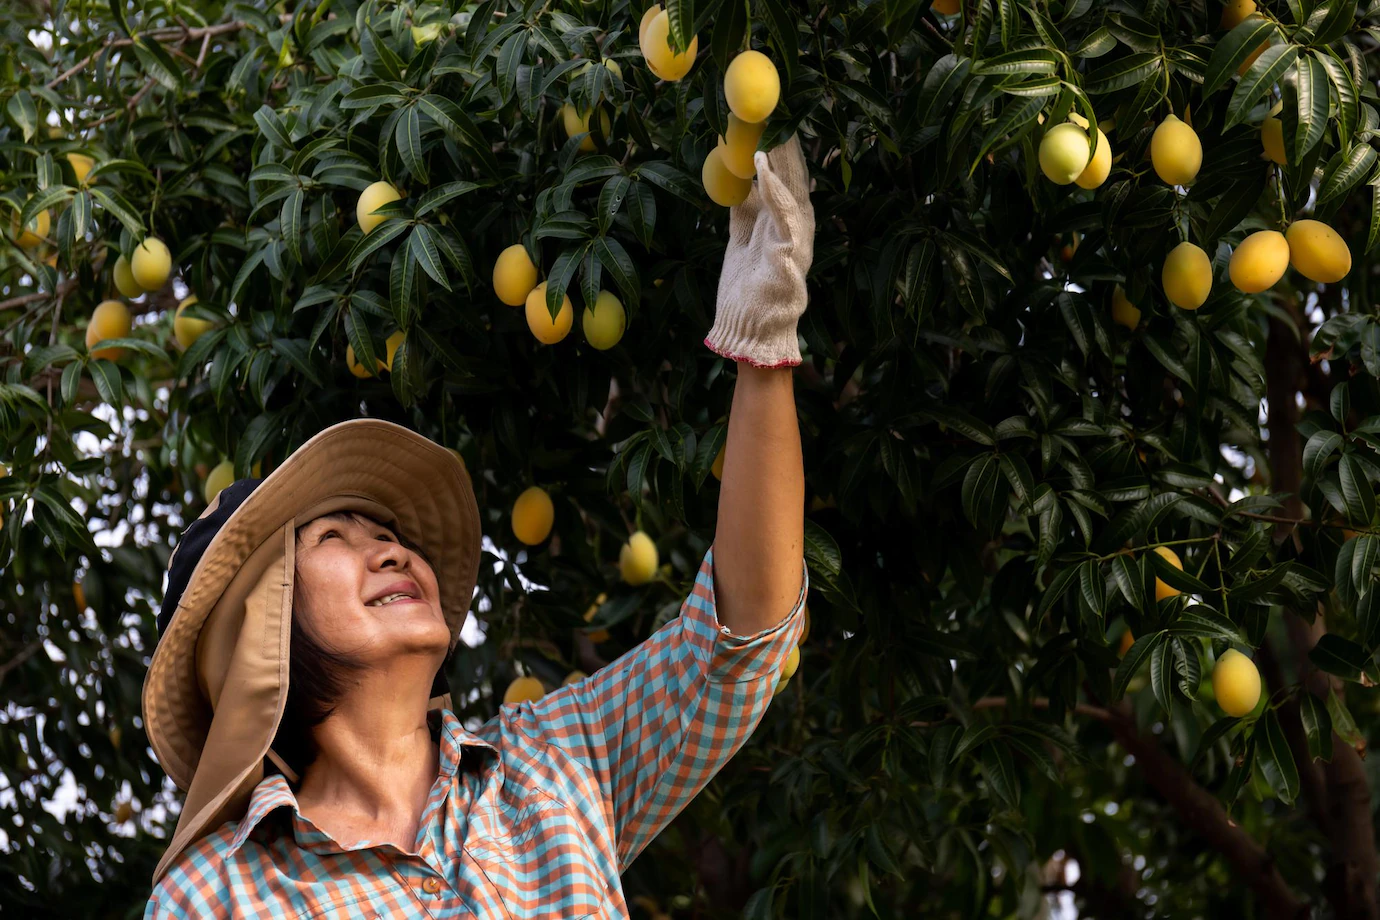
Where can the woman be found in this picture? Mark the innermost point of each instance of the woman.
(309, 617)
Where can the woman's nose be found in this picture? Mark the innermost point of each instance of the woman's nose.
(389, 554)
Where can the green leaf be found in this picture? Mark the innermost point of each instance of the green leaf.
(423, 245)
(616, 259)
(611, 199)
(1131, 70)
(1127, 576)
(821, 550)
(1345, 171)
(1236, 202)
(942, 745)
(408, 137)
(1317, 726)
(1162, 676)
(1203, 622)
(21, 108)
(106, 375)
(1210, 738)
(1312, 100)
(1275, 759)
(158, 63)
(273, 128)
(1001, 774)
(1233, 49)
(1357, 491)
(1267, 70)
(443, 194)
(1026, 61)
(665, 176)
(1342, 722)
(1139, 652)
(1339, 656)
(375, 239)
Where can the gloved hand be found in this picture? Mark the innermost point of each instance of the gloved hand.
(771, 242)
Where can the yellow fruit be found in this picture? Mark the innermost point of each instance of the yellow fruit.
(1163, 590)
(110, 320)
(1235, 683)
(579, 124)
(1235, 13)
(123, 812)
(1259, 261)
(255, 469)
(1317, 251)
(547, 330)
(788, 670)
(604, 322)
(33, 233)
(371, 199)
(717, 468)
(1272, 139)
(81, 166)
(1187, 276)
(1127, 640)
(1099, 167)
(637, 560)
(219, 478)
(656, 49)
(51, 259)
(78, 596)
(739, 145)
(124, 279)
(722, 187)
(647, 18)
(533, 515)
(187, 329)
(355, 367)
(945, 7)
(752, 86)
(574, 677)
(152, 263)
(523, 689)
(1124, 313)
(1064, 153)
(391, 343)
(1176, 152)
(514, 275)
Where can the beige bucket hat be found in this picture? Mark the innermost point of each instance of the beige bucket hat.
(215, 690)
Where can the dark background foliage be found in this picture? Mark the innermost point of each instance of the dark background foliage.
(989, 457)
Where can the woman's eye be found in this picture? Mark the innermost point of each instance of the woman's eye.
(329, 533)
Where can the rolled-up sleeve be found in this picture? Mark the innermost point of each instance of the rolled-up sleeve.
(658, 723)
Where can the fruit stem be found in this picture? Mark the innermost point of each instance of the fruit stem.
(1221, 582)
(1279, 197)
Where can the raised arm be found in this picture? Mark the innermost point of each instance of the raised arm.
(759, 541)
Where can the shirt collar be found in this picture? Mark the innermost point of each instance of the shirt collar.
(273, 791)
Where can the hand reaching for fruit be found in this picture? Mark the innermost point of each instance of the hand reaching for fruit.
(770, 247)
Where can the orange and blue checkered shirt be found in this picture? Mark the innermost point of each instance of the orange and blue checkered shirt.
(534, 816)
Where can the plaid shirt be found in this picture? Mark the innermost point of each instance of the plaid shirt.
(534, 816)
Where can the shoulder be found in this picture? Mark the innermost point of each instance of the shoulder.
(202, 877)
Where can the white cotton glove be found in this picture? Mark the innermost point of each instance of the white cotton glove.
(771, 242)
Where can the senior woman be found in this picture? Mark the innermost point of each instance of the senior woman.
(298, 692)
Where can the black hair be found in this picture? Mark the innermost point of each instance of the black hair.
(318, 678)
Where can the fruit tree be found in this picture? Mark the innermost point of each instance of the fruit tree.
(1089, 406)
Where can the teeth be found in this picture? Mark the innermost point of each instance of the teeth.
(387, 600)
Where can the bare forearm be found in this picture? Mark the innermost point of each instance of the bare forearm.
(759, 542)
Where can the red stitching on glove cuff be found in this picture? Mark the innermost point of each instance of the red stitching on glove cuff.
(788, 362)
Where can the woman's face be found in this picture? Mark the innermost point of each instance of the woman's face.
(349, 573)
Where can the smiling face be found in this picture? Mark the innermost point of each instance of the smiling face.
(362, 592)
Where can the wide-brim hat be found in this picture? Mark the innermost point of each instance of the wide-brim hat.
(215, 690)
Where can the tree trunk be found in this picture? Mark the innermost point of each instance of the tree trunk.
(1346, 818)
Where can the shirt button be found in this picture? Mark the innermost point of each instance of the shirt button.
(431, 885)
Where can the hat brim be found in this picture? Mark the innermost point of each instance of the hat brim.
(423, 485)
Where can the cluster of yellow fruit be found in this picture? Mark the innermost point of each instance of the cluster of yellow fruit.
(147, 272)
(1066, 154)
(1235, 679)
(753, 88)
(515, 283)
(654, 38)
(1314, 249)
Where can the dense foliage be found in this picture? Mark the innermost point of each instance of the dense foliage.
(989, 455)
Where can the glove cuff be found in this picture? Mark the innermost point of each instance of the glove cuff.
(756, 353)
